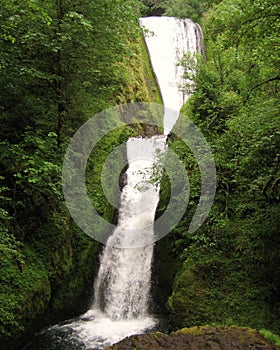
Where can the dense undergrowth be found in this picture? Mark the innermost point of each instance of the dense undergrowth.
(61, 63)
(229, 271)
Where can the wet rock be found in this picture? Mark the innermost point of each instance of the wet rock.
(198, 338)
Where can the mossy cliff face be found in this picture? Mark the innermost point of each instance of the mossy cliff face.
(165, 266)
(189, 303)
(223, 286)
(198, 338)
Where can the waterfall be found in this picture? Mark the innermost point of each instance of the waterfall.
(122, 286)
(167, 40)
(123, 282)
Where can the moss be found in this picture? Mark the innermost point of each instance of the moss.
(214, 290)
(273, 338)
(165, 266)
(210, 330)
(25, 294)
(139, 82)
(185, 304)
(72, 290)
(148, 74)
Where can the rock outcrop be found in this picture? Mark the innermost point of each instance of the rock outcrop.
(198, 338)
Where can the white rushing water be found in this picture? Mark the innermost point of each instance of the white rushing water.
(168, 39)
(123, 282)
(122, 287)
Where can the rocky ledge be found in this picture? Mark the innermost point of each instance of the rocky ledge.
(198, 338)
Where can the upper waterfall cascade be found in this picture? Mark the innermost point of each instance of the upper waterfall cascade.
(167, 40)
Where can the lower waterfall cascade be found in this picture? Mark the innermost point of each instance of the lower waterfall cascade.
(123, 282)
(122, 287)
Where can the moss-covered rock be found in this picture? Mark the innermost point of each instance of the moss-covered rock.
(25, 292)
(218, 287)
(164, 269)
(189, 303)
(220, 284)
(198, 338)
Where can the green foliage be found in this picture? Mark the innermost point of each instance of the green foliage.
(219, 280)
(189, 8)
(152, 7)
(193, 9)
(230, 273)
(25, 288)
(273, 338)
(61, 63)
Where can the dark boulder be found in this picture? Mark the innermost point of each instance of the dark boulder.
(198, 338)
